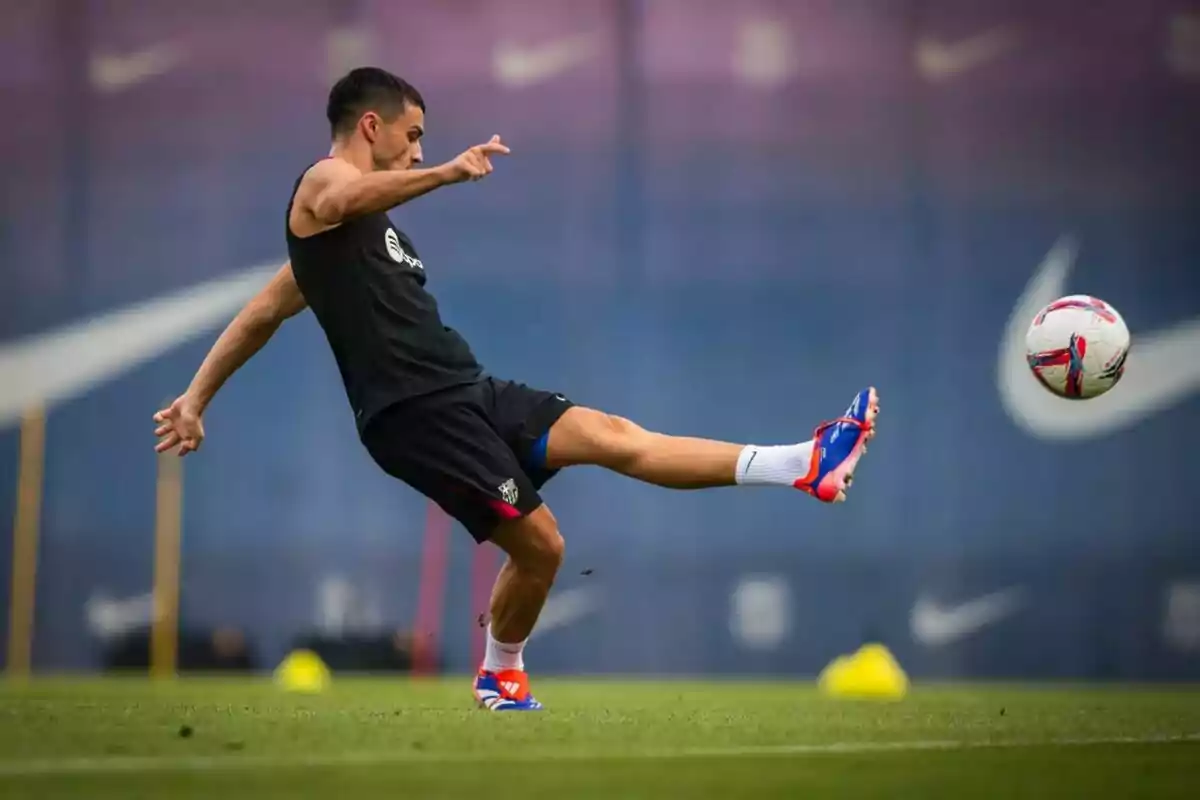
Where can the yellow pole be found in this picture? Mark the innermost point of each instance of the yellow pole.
(164, 633)
(25, 543)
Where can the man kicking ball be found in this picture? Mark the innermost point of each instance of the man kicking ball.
(479, 447)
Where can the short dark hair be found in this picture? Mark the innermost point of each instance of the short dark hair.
(368, 89)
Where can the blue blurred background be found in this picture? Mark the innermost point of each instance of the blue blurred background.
(719, 219)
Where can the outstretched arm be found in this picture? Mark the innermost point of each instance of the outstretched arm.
(181, 423)
(333, 191)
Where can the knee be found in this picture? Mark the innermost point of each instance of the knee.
(623, 430)
(548, 552)
(619, 439)
(542, 548)
(588, 436)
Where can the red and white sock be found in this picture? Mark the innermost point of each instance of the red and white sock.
(499, 656)
(775, 465)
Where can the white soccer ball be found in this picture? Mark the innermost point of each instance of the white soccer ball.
(1077, 346)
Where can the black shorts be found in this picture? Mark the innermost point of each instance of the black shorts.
(478, 451)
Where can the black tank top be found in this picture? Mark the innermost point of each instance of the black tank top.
(366, 287)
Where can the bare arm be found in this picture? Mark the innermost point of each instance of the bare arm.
(340, 192)
(249, 331)
(334, 191)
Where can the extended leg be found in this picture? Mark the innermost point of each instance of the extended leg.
(587, 436)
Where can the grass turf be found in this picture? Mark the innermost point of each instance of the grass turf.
(368, 737)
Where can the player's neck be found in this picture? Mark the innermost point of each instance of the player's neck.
(354, 152)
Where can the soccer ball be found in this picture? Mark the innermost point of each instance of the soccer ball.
(1077, 347)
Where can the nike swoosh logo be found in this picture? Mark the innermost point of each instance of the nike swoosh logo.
(58, 365)
(518, 66)
(566, 608)
(1163, 368)
(114, 72)
(933, 624)
(938, 61)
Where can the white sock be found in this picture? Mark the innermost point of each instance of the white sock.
(500, 656)
(778, 465)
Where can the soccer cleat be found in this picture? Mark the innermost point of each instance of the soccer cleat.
(837, 447)
(507, 690)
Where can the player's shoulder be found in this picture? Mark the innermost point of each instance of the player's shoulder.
(329, 170)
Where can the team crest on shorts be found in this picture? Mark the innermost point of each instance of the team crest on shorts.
(508, 490)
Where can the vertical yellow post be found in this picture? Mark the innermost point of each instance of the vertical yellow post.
(26, 524)
(164, 634)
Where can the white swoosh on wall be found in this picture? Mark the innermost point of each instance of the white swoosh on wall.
(58, 365)
(113, 72)
(940, 61)
(1163, 367)
(936, 624)
(519, 66)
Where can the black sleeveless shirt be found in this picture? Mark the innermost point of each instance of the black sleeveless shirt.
(366, 287)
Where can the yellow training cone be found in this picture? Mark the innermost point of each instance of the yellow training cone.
(871, 673)
(302, 671)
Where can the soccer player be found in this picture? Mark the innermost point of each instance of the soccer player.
(478, 446)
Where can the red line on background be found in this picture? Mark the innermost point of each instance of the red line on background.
(431, 591)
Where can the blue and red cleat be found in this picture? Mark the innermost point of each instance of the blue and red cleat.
(507, 690)
(837, 447)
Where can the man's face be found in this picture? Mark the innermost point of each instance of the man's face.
(395, 144)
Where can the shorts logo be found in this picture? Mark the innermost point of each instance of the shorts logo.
(508, 490)
(392, 242)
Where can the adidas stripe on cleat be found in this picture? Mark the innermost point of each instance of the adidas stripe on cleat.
(507, 690)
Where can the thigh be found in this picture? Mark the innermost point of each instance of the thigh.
(587, 436)
(523, 417)
(448, 451)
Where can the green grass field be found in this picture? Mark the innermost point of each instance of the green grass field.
(400, 738)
